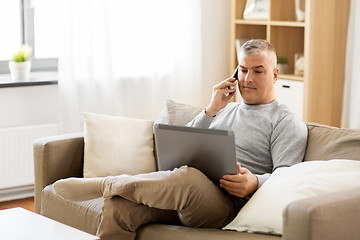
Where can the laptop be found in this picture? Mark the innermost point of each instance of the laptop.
(211, 151)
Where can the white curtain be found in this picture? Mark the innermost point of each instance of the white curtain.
(351, 100)
(125, 57)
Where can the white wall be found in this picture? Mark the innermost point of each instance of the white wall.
(22, 110)
(30, 105)
(215, 45)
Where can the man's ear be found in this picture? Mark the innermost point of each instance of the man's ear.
(276, 74)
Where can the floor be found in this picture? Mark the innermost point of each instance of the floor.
(27, 203)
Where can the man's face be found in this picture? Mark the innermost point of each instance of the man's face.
(257, 76)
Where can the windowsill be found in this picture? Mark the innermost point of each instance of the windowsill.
(36, 79)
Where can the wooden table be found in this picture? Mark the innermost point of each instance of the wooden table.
(18, 223)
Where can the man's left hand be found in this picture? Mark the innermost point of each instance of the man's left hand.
(242, 184)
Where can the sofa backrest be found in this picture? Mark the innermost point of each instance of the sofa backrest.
(325, 143)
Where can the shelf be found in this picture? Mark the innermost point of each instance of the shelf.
(251, 22)
(287, 23)
(320, 38)
(271, 23)
(279, 10)
(291, 77)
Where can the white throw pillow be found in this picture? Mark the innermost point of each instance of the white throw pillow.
(117, 145)
(263, 212)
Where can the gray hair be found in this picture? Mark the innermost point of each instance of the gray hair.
(254, 46)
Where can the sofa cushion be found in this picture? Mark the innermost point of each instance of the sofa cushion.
(117, 145)
(263, 212)
(177, 113)
(83, 215)
(166, 232)
(325, 142)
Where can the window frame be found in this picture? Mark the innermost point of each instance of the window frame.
(26, 12)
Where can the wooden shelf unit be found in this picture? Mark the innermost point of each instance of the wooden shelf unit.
(321, 37)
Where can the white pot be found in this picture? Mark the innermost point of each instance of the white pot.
(283, 68)
(20, 71)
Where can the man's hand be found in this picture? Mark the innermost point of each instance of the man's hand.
(221, 95)
(242, 184)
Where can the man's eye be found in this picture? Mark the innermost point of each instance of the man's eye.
(258, 71)
(244, 71)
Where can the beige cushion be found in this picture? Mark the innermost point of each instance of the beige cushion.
(263, 212)
(83, 215)
(117, 145)
(173, 232)
(177, 113)
(325, 142)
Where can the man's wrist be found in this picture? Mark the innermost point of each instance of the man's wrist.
(209, 113)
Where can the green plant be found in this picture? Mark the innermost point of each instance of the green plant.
(23, 54)
(281, 59)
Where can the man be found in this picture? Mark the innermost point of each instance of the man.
(267, 136)
(271, 128)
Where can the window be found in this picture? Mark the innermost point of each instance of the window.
(34, 22)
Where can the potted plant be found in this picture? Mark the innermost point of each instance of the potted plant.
(20, 64)
(282, 64)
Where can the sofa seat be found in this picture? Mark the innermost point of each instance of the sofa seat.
(86, 216)
(172, 232)
(83, 215)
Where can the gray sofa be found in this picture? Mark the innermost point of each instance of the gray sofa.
(329, 216)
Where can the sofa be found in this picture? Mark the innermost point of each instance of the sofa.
(334, 215)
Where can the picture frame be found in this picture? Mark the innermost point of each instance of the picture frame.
(256, 10)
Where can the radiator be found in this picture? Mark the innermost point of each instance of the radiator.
(16, 154)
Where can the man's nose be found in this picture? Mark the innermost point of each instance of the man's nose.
(248, 77)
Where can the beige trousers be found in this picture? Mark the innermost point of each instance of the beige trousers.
(183, 194)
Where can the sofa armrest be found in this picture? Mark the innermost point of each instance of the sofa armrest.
(55, 158)
(330, 216)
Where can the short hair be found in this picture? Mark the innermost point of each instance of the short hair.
(254, 46)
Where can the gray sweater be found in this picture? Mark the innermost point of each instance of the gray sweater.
(267, 136)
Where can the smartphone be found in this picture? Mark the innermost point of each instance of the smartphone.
(235, 75)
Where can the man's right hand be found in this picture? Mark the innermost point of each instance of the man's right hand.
(221, 95)
(240, 185)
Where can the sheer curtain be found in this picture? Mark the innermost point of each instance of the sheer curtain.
(125, 58)
(351, 101)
